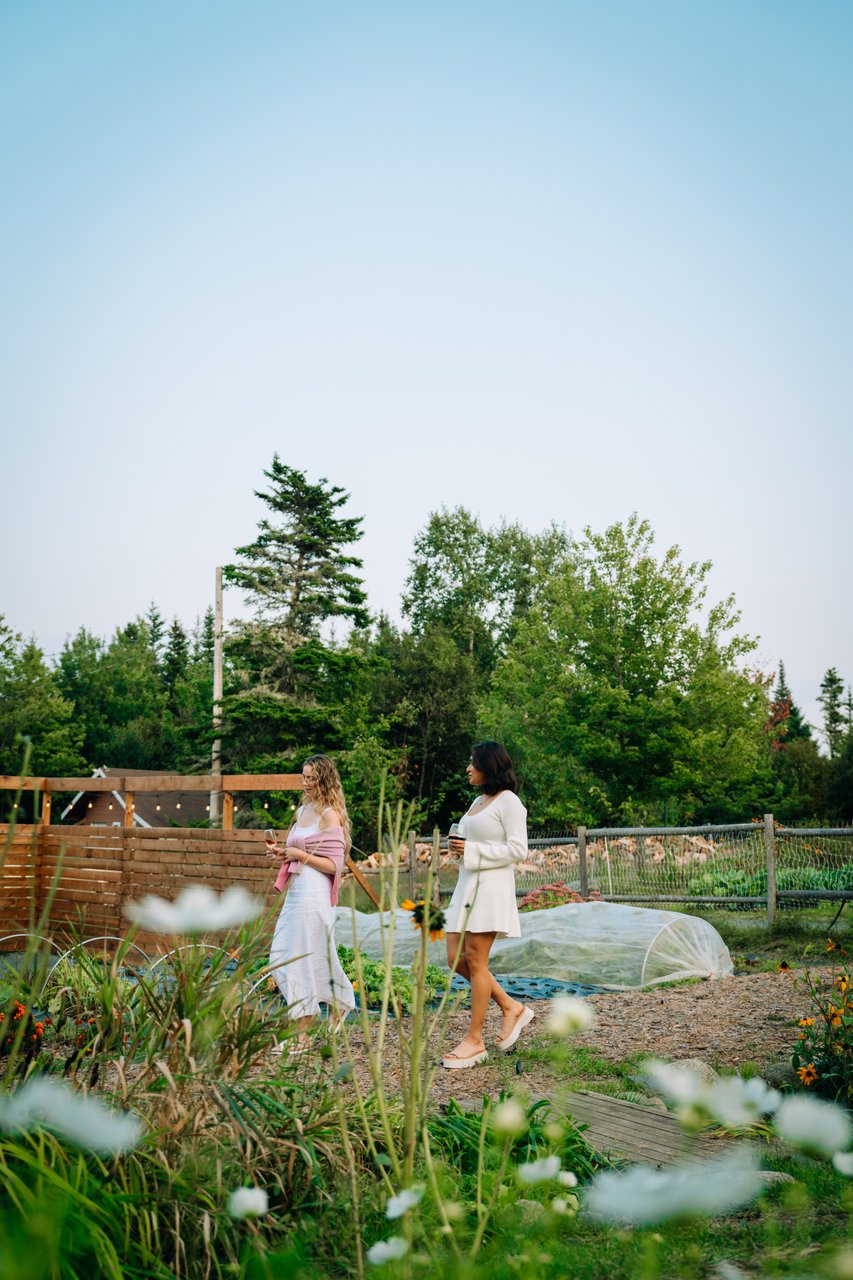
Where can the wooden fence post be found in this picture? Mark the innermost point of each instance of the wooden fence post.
(436, 867)
(584, 871)
(129, 808)
(39, 852)
(227, 811)
(413, 866)
(770, 849)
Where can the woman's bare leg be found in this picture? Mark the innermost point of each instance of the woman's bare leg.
(473, 965)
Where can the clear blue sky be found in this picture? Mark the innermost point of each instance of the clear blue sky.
(548, 260)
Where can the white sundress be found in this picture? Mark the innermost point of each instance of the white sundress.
(484, 898)
(303, 955)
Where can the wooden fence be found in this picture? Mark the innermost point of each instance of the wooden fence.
(101, 869)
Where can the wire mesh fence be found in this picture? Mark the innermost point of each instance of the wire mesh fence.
(655, 864)
(741, 866)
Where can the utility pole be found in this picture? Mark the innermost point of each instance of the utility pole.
(216, 755)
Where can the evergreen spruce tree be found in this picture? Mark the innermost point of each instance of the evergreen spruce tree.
(204, 638)
(175, 661)
(296, 572)
(786, 715)
(285, 684)
(831, 693)
(156, 629)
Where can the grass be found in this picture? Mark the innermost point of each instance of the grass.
(190, 1057)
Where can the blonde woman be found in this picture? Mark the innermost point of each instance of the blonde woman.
(303, 956)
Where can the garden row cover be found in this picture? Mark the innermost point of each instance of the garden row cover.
(602, 944)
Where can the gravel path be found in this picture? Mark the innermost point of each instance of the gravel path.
(748, 1018)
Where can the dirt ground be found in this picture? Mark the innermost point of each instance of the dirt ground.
(749, 1018)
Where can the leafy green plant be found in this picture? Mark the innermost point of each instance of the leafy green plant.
(823, 1051)
(369, 976)
(725, 882)
(458, 1136)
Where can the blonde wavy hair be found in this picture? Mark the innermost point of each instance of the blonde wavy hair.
(329, 792)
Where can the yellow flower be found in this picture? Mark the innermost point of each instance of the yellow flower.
(830, 945)
(355, 986)
(407, 904)
(842, 983)
(782, 967)
(807, 1074)
(806, 1022)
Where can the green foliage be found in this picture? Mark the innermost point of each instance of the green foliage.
(296, 573)
(619, 688)
(840, 787)
(620, 695)
(373, 975)
(804, 779)
(32, 704)
(287, 687)
(463, 1138)
(831, 700)
(785, 714)
(722, 882)
(823, 1053)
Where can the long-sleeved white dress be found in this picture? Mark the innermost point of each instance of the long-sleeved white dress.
(484, 898)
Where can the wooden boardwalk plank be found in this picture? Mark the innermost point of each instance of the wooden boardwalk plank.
(630, 1131)
(634, 1132)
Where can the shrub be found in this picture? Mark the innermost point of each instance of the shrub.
(823, 1053)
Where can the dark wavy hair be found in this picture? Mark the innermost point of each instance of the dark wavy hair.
(492, 760)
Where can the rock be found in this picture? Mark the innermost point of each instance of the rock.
(531, 1210)
(699, 1069)
(780, 1073)
(774, 1177)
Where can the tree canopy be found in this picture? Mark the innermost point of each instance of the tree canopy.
(623, 693)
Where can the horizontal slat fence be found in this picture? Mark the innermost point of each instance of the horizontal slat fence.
(102, 869)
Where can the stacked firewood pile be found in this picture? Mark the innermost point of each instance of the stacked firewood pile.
(680, 851)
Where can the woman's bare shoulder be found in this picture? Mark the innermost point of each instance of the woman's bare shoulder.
(330, 818)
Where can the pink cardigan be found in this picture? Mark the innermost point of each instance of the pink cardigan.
(329, 843)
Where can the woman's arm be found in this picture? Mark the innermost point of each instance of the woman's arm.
(486, 855)
(328, 819)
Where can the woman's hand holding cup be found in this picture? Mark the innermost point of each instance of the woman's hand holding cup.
(456, 839)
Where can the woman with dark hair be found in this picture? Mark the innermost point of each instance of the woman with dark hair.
(493, 838)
